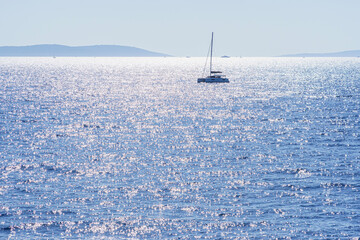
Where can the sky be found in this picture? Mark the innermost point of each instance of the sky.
(251, 28)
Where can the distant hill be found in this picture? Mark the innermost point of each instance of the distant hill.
(354, 53)
(49, 50)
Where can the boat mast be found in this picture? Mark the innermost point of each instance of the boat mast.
(212, 41)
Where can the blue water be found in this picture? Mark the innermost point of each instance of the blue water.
(102, 148)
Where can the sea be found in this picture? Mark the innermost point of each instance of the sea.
(135, 148)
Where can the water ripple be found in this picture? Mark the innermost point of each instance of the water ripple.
(134, 148)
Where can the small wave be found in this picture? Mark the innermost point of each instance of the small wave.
(302, 173)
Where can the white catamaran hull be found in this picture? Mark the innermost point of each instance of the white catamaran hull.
(213, 80)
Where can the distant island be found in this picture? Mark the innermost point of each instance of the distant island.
(55, 50)
(354, 53)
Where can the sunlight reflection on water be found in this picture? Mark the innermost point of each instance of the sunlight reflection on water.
(134, 147)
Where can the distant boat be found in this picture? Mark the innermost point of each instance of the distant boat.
(225, 56)
(215, 76)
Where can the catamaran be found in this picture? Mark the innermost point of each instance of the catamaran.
(215, 76)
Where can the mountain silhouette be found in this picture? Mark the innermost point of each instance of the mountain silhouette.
(353, 53)
(49, 50)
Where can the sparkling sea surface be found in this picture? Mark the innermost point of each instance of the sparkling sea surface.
(114, 148)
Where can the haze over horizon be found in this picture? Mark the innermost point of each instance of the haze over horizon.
(181, 28)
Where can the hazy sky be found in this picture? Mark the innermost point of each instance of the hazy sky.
(183, 27)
